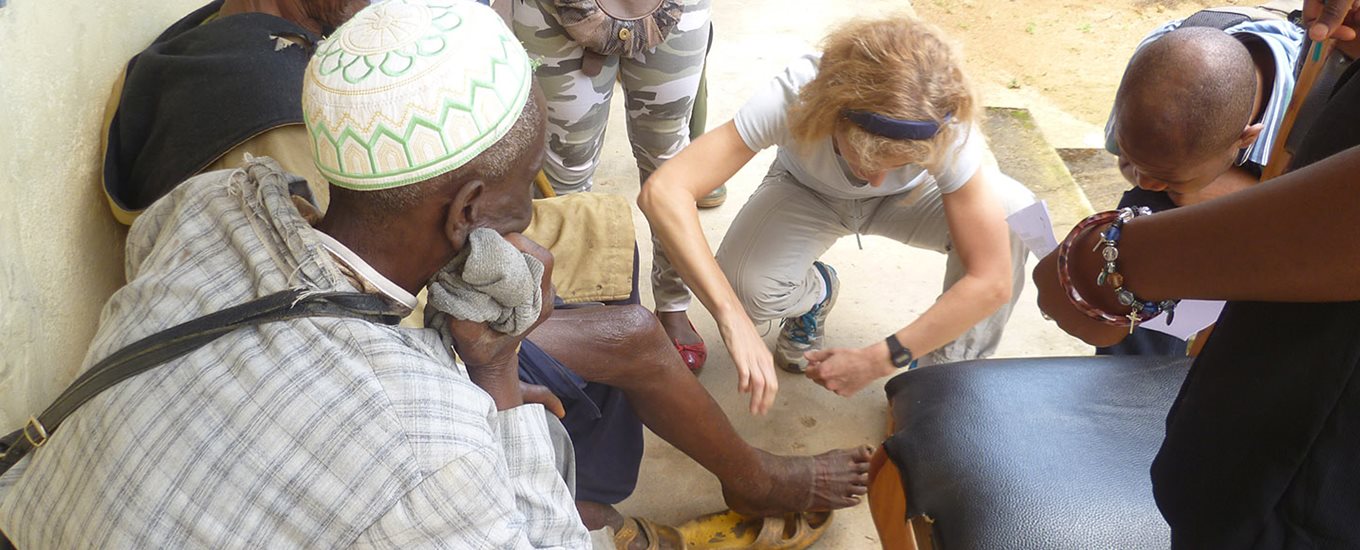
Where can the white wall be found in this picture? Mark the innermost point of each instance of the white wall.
(60, 250)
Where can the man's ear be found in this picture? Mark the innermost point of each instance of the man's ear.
(462, 214)
(1249, 135)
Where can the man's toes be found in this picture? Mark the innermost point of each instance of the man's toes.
(864, 454)
(856, 455)
(856, 474)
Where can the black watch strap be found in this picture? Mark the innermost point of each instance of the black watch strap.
(899, 354)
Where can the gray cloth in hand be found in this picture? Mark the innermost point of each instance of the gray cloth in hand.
(489, 281)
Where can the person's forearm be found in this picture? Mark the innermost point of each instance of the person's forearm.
(966, 303)
(674, 218)
(1294, 238)
(669, 198)
(500, 381)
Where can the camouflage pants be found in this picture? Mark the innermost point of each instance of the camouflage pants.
(658, 86)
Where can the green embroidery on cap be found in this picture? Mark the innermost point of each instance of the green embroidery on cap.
(388, 41)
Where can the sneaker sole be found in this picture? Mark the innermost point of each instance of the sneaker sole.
(711, 203)
(712, 200)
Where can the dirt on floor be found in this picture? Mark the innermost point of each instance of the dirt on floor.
(1072, 53)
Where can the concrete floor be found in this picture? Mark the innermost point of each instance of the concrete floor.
(754, 40)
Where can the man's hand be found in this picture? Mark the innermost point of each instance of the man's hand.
(491, 356)
(755, 365)
(1331, 19)
(534, 393)
(845, 371)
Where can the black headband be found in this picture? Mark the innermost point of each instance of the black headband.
(893, 128)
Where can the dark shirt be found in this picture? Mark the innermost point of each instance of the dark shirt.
(1262, 446)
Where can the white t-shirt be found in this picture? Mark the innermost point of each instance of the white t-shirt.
(764, 122)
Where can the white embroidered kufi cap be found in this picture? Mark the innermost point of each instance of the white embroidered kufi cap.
(411, 89)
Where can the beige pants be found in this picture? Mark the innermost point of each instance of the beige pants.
(768, 251)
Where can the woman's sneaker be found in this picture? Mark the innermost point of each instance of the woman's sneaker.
(804, 333)
(714, 199)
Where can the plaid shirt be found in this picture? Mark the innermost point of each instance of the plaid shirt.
(316, 432)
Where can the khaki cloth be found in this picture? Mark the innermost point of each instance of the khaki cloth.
(591, 237)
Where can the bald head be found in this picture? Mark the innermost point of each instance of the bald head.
(1186, 95)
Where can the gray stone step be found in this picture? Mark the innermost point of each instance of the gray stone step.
(1023, 153)
(1096, 172)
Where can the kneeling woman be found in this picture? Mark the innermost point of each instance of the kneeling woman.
(876, 135)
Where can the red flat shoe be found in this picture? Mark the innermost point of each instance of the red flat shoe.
(694, 355)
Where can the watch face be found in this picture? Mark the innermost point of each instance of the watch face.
(898, 353)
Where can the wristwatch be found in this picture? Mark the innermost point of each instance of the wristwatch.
(901, 356)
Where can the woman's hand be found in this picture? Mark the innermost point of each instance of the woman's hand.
(845, 371)
(755, 364)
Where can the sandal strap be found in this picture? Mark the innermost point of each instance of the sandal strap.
(649, 529)
(772, 530)
(625, 535)
(632, 527)
(771, 534)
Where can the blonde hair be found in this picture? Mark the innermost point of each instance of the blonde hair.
(900, 67)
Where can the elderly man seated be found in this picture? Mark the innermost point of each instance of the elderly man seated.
(327, 432)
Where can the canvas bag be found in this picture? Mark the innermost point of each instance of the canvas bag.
(616, 27)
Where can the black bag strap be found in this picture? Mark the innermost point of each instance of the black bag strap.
(176, 341)
(1215, 19)
(1226, 17)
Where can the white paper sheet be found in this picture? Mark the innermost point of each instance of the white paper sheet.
(1191, 317)
(1035, 228)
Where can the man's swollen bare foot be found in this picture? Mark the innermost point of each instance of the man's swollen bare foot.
(831, 480)
(686, 340)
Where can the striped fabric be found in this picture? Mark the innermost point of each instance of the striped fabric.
(1285, 40)
(316, 433)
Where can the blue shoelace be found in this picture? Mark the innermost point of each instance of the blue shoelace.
(802, 326)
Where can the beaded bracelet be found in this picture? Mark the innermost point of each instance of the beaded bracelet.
(1065, 274)
(1139, 310)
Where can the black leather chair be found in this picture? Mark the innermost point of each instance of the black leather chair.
(1048, 453)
